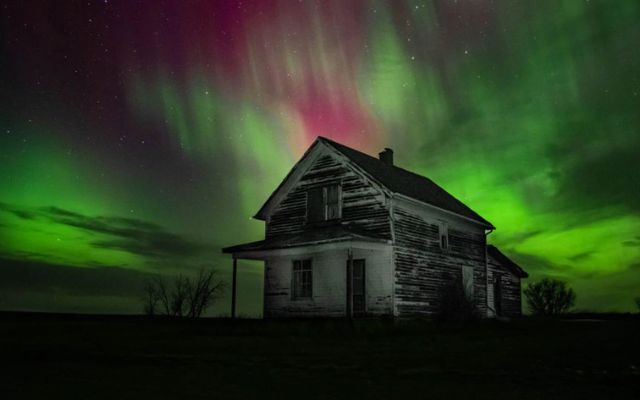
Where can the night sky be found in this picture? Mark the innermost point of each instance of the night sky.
(139, 137)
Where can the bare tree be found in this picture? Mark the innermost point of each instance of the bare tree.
(202, 291)
(183, 297)
(549, 297)
(151, 299)
(179, 296)
(164, 297)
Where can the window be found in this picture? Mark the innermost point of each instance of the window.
(467, 281)
(302, 279)
(332, 202)
(323, 203)
(443, 232)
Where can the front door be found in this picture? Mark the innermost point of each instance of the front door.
(359, 289)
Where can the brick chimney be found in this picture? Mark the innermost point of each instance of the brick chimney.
(386, 156)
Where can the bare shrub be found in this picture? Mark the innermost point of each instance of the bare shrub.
(150, 299)
(183, 296)
(549, 297)
(201, 292)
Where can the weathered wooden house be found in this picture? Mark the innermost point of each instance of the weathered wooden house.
(348, 234)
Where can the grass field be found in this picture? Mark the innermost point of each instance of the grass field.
(73, 357)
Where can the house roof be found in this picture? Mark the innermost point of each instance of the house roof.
(506, 261)
(399, 180)
(323, 234)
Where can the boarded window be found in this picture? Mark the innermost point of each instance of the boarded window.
(315, 204)
(332, 201)
(467, 281)
(443, 231)
(323, 203)
(302, 279)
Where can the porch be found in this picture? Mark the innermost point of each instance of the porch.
(329, 272)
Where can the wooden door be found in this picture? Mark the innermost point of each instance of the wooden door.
(358, 288)
(497, 294)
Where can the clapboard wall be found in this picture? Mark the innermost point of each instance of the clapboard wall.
(363, 205)
(422, 268)
(511, 294)
(329, 283)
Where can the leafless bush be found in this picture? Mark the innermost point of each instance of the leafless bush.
(183, 296)
(150, 299)
(201, 292)
(549, 297)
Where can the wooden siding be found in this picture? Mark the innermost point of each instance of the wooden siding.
(363, 205)
(418, 268)
(422, 267)
(511, 290)
(329, 284)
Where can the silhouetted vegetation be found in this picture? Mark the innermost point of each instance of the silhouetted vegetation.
(637, 300)
(182, 297)
(549, 297)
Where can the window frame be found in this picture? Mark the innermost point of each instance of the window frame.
(468, 271)
(325, 204)
(301, 293)
(443, 233)
(325, 201)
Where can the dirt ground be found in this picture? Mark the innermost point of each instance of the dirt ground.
(82, 357)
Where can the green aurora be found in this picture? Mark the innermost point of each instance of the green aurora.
(142, 142)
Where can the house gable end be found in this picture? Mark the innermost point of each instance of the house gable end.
(364, 203)
(316, 150)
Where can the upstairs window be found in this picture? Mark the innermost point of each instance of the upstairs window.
(302, 279)
(324, 203)
(332, 202)
(443, 233)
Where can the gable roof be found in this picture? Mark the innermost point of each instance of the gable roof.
(290, 175)
(506, 261)
(391, 177)
(407, 183)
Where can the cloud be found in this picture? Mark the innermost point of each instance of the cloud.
(36, 276)
(130, 235)
(581, 256)
(632, 243)
(511, 239)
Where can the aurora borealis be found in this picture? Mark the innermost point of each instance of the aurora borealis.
(139, 137)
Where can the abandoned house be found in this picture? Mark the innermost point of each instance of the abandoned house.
(352, 235)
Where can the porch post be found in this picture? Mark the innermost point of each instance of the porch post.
(349, 284)
(234, 281)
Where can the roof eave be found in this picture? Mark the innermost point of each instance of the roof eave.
(358, 238)
(484, 223)
(261, 214)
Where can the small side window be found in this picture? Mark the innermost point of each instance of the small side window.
(443, 232)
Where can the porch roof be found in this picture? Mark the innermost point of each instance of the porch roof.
(326, 234)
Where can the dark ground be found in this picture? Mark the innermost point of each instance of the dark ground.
(73, 357)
